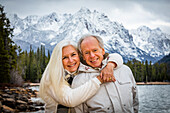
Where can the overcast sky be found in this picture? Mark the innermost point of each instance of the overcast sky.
(131, 13)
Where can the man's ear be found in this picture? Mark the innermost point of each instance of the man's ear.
(103, 51)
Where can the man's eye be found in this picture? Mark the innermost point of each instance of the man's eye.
(95, 50)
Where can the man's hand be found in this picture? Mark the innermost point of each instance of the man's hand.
(107, 73)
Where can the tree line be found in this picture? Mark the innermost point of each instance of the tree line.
(32, 65)
(148, 72)
(8, 54)
(17, 66)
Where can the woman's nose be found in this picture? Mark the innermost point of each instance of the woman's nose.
(70, 59)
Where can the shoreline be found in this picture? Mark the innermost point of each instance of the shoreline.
(138, 83)
(153, 83)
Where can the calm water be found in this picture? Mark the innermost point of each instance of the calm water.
(152, 98)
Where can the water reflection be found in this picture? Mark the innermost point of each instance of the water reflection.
(152, 98)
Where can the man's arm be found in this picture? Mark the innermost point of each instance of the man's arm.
(135, 96)
(135, 93)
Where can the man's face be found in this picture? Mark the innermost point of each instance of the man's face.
(70, 58)
(92, 52)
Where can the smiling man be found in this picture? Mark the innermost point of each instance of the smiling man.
(114, 97)
(92, 52)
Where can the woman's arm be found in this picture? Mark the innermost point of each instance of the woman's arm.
(73, 97)
(114, 61)
(50, 105)
(116, 58)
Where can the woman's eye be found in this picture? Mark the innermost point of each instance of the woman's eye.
(73, 54)
(64, 58)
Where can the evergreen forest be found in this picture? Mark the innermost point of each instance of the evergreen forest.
(17, 66)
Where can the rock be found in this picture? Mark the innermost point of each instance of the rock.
(23, 98)
(17, 99)
(38, 103)
(33, 95)
(31, 108)
(0, 106)
(19, 102)
(41, 108)
(9, 102)
(5, 95)
(13, 90)
(1, 98)
(26, 85)
(22, 107)
(30, 102)
(36, 109)
(7, 109)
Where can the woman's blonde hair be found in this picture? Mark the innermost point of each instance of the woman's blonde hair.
(54, 73)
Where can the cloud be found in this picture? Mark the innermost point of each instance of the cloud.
(160, 23)
(132, 16)
(131, 13)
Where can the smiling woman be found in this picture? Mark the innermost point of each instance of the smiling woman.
(70, 58)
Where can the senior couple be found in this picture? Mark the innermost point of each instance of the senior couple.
(102, 83)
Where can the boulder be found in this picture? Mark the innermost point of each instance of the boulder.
(9, 102)
(7, 109)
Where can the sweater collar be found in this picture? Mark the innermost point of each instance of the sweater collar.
(87, 68)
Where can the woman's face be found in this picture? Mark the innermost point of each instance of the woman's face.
(70, 58)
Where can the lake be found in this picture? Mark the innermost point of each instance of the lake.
(152, 98)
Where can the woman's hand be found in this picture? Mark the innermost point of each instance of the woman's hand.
(107, 73)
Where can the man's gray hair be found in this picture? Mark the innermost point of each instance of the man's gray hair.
(99, 39)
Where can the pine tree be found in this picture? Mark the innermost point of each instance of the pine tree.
(48, 57)
(147, 71)
(143, 71)
(8, 54)
(156, 66)
(150, 71)
(44, 58)
(139, 72)
(39, 73)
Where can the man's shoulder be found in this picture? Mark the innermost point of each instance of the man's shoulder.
(123, 71)
(124, 67)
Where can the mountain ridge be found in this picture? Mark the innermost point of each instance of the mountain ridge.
(50, 29)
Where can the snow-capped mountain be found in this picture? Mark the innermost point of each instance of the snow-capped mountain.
(50, 29)
(154, 42)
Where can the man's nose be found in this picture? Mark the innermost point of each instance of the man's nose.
(92, 54)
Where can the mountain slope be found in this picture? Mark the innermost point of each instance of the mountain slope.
(50, 29)
(153, 42)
